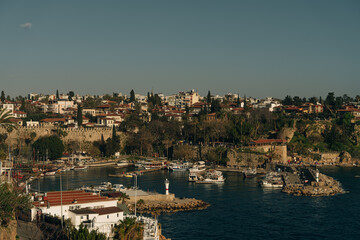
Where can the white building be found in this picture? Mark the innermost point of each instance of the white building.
(96, 212)
(32, 123)
(101, 219)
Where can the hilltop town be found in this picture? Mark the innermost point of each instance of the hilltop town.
(230, 130)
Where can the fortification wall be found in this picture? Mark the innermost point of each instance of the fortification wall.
(70, 134)
(237, 159)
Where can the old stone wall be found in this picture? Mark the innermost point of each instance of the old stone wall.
(9, 233)
(71, 134)
(257, 156)
(154, 197)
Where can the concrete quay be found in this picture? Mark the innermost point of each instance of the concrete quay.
(304, 183)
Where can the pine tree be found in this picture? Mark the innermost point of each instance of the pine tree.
(79, 116)
(2, 96)
(238, 101)
(23, 107)
(132, 96)
(57, 95)
(208, 98)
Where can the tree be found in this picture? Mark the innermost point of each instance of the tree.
(132, 96)
(288, 100)
(71, 95)
(83, 233)
(129, 229)
(5, 120)
(11, 200)
(208, 98)
(23, 106)
(51, 145)
(2, 96)
(79, 116)
(57, 95)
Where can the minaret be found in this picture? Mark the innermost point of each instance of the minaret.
(167, 187)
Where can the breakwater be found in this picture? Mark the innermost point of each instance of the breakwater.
(186, 204)
(322, 185)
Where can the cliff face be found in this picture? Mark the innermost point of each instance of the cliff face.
(9, 233)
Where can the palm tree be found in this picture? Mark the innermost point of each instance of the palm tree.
(5, 120)
(123, 196)
(155, 213)
(129, 229)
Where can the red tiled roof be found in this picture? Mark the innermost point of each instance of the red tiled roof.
(19, 112)
(53, 120)
(104, 106)
(69, 197)
(267, 141)
(107, 210)
(349, 110)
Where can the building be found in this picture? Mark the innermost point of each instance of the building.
(93, 210)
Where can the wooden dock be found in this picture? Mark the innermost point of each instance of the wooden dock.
(133, 173)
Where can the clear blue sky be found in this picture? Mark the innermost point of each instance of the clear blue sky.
(258, 48)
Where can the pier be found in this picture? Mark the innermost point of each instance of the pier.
(132, 173)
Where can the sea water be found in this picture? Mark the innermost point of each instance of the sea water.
(240, 209)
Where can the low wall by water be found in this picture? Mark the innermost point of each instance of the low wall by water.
(153, 197)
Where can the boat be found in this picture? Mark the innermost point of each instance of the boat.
(149, 164)
(212, 176)
(78, 168)
(122, 163)
(193, 177)
(199, 167)
(178, 166)
(272, 180)
(50, 173)
(271, 184)
(250, 173)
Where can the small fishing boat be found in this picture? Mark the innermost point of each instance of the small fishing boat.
(50, 173)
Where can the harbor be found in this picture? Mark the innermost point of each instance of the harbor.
(237, 198)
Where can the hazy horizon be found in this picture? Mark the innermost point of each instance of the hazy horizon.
(254, 48)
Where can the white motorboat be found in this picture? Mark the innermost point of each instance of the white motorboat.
(79, 168)
(122, 163)
(272, 180)
(50, 173)
(212, 176)
(271, 184)
(193, 177)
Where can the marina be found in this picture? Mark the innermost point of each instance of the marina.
(238, 198)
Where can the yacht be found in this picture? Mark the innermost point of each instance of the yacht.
(212, 176)
(178, 167)
(199, 167)
(193, 177)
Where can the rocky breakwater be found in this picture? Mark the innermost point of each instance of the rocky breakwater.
(326, 186)
(177, 205)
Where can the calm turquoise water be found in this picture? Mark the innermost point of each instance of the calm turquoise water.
(239, 208)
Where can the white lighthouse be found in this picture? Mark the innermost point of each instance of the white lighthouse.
(167, 186)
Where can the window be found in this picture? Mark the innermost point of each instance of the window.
(81, 217)
(108, 216)
(117, 215)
